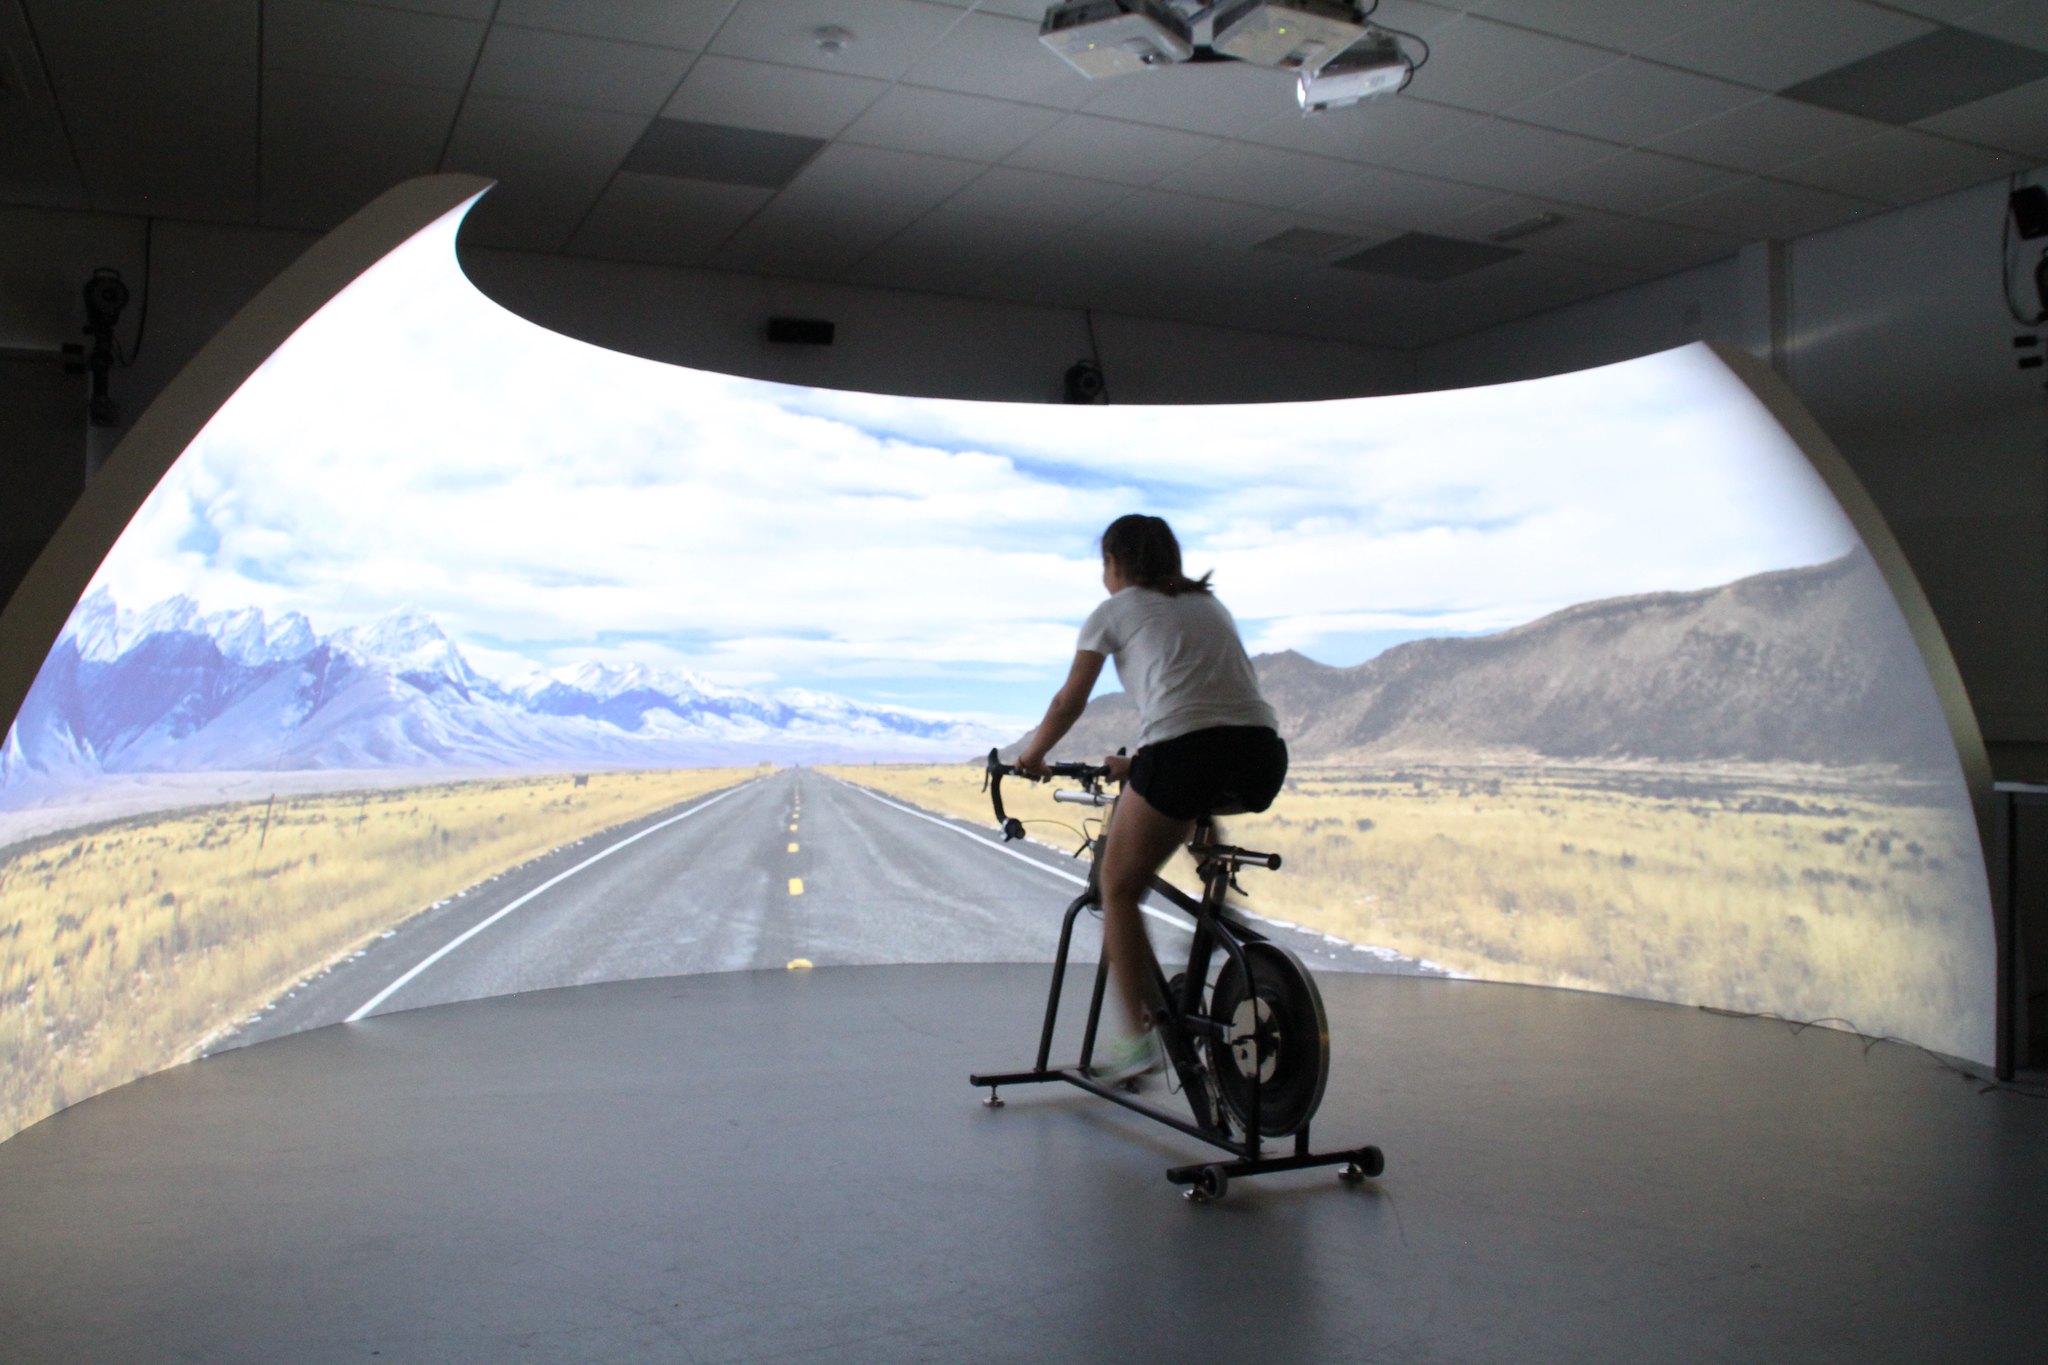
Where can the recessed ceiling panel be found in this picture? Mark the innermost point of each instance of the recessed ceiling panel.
(724, 155)
(1427, 257)
(1944, 70)
(776, 99)
(1771, 44)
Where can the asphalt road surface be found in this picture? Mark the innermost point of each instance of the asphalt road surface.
(791, 867)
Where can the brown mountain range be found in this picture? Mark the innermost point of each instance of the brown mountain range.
(1809, 665)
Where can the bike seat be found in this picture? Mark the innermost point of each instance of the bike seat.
(1229, 805)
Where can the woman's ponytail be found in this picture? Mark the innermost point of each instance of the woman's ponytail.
(1148, 556)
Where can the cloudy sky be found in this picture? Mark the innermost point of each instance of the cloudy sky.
(550, 502)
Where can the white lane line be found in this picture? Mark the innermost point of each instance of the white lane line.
(475, 929)
(1177, 921)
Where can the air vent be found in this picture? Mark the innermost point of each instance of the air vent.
(1944, 70)
(1424, 256)
(724, 155)
(1313, 243)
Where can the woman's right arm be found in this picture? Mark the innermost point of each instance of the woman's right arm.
(1067, 705)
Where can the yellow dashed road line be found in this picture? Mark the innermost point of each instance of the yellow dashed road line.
(796, 886)
(792, 848)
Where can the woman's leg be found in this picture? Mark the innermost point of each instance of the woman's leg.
(1139, 840)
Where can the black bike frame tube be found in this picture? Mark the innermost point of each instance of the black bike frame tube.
(1059, 974)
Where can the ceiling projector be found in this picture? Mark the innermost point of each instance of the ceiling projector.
(1337, 57)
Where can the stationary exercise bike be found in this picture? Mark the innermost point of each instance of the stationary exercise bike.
(1250, 1047)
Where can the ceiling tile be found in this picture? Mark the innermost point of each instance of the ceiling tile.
(1767, 134)
(1944, 11)
(1378, 133)
(1535, 284)
(1622, 25)
(1489, 67)
(1632, 101)
(1509, 156)
(454, 9)
(946, 250)
(1943, 70)
(1638, 181)
(783, 239)
(1399, 200)
(1572, 231)
(1650, 248)
(1034, 10)
(2016, 121)
(888, 35)
(361, 42)
(36, 165)
(331, 145)
(942, 123)
(1902, 167)
(779, 99)
(665, 220)
(551, 162)
(1771, 44)
(1227, 98)
(1759, 209)
(1261, 175)
(1105, 149)
(568, 68)
(102, 39)
(1036, 197)
(985, 54)
(885, 186)
(667, 23)
(1184, 220)
(176, 143)
(2016, 21)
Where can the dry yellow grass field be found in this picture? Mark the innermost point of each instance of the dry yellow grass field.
(124, 947)
(1805, 894)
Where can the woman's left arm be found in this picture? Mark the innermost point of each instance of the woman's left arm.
(1067, 705)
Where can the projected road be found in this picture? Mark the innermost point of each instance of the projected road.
(791, 867)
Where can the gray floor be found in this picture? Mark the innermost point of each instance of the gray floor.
(790, 1166)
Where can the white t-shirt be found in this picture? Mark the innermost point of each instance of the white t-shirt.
(1179, 659)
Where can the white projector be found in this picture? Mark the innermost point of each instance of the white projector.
(1296, 35)
(1375, 66)
(1101, 38)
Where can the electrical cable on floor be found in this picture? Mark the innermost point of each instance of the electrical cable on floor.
(1871, 1040)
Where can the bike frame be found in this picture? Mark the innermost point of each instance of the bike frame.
(1213, 929)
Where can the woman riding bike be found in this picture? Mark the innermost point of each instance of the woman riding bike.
(1206, 739)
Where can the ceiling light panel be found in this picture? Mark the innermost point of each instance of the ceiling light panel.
(1770, 44)
(776, 99)
(1944, 70)
(568, 68)
(370, 43)
(664, 23)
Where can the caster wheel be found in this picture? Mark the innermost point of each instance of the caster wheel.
(993, 1101)
(1369, 1164)
(1210, 1185)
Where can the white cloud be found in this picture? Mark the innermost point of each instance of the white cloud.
(415, 444)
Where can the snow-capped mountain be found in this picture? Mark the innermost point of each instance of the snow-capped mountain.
(172, 689)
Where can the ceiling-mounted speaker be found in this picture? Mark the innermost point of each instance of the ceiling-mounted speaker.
(800, 331)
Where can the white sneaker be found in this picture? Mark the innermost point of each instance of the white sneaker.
(1138, 1054)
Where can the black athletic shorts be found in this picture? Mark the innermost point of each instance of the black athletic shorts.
(1226, 766)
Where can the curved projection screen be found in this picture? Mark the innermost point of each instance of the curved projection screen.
(1589, 683)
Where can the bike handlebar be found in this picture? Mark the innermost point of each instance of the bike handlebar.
(995, 770)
